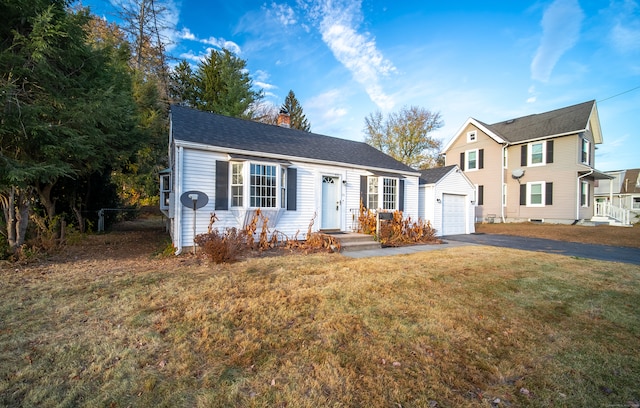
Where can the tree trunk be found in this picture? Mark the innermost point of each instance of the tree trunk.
(16, 207)
(44, 192)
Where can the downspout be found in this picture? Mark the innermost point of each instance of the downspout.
(177, 205)
(578, 196)
(504, 148)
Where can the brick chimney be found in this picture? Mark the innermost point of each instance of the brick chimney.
(284, 119)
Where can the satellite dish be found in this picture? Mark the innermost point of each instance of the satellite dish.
(517, 173)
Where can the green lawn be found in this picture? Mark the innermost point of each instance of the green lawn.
(469, 326)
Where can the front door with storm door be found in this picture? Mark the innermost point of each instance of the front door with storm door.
(330, 203)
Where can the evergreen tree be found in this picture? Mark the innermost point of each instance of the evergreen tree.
(182, 85)
(223, 85)
(298, 118)
(67, 111)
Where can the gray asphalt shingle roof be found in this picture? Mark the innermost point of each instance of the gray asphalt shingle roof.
(556, 122)
(191, 125)
(430, 176)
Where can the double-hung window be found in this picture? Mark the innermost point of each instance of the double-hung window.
(586, 151)
(536, 194)
(237, 184)
(471, 160)
(584, 194)
(536, 157)
(372, 193)
(165, 190)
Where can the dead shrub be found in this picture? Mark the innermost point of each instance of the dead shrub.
(397, 231)
(223, 247)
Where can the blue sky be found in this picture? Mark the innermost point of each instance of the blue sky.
(491, 60)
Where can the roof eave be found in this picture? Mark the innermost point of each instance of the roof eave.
(226, 150)
(477, 124)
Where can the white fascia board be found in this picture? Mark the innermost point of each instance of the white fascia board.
(477, 124)
(199, 146)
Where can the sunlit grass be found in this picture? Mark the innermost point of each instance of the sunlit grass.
(455, 327)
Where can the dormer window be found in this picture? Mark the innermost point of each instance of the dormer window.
(472, 136)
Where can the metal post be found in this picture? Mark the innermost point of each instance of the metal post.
(101, 220)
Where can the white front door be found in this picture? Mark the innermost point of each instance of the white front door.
(330, 203)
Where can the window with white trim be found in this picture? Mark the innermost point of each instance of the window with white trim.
(283, 187)
(636, 203)
(537, 154)
(586, 151)
(535, 194)
(165, 190)
(472, 136)
(237, 184)
(372, 193)
(472, 160)
(584, 194)
(262, 185)
(388, 200)
(389, 193)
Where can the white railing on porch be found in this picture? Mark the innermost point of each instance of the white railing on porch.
(605, 209)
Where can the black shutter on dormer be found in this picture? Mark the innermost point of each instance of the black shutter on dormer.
(549, 151)
(292, 189)
(222, 185)
(363, 191)
(523, 155)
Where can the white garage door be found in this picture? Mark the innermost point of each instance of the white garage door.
(453, 214)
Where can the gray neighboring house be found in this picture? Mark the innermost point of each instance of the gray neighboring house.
(538, 168)
(292, 176)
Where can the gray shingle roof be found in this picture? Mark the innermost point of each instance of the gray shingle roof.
(195, 126)
(434, 175)
(556, 122)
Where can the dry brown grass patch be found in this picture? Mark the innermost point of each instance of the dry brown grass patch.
(601, 234)
(457, 327)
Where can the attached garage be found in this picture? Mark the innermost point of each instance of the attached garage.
(447, 200)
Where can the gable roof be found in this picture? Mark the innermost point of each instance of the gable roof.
(564, 121)
(240, 135)
(630, 184)
(431, 176)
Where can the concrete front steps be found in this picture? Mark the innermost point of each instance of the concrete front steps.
(599, 220)
(352, 241)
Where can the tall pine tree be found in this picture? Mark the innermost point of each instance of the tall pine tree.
(298, 118)
(223, 85)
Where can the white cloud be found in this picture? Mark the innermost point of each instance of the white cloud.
(561, 24)
(221, 43)
(284, 14)
(186, 34)
(338, 23)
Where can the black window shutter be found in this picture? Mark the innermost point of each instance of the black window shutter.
(548, 200)
(363, 191)
(401, 196)
(462, 161)
(523, 155)
(523, 194)
(222, 185)
(292, 189)
(481, 158)
(480, 195)
(549, 151)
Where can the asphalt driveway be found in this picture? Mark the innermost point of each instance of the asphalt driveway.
(590, 251)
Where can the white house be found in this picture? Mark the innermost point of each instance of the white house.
(231, 167)
(448, 200)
